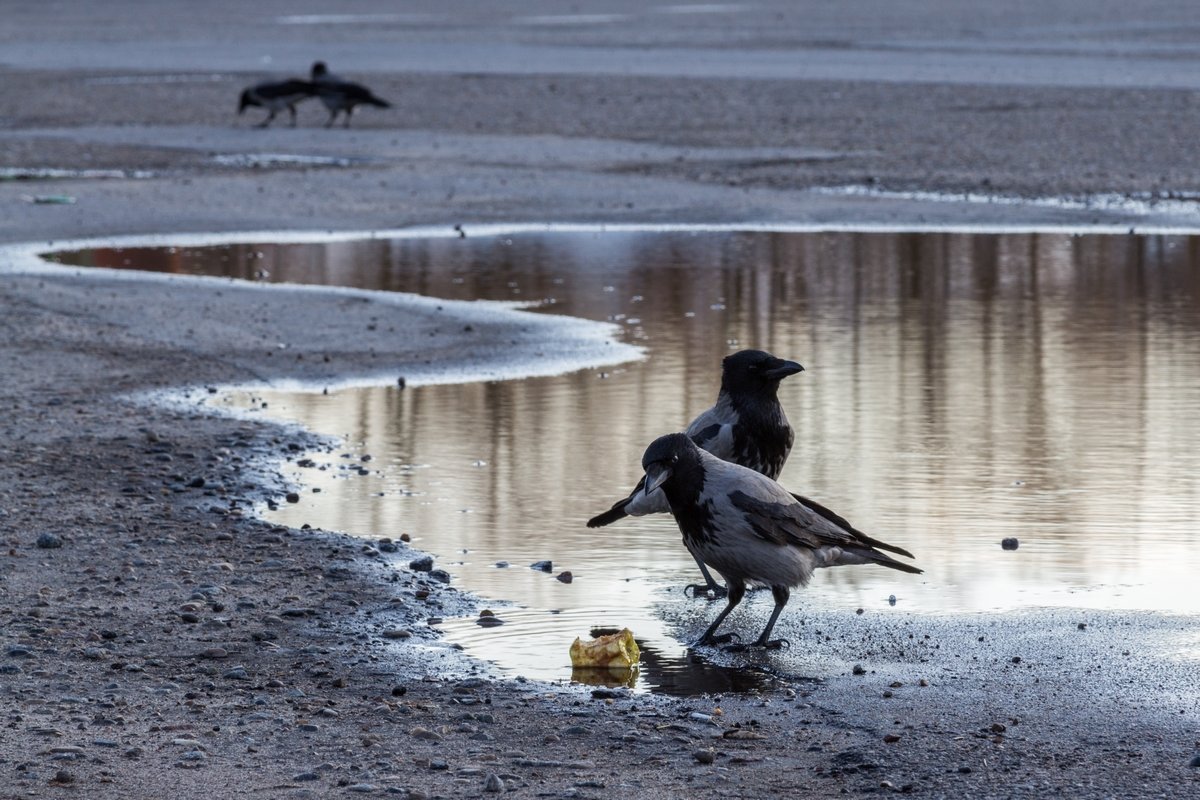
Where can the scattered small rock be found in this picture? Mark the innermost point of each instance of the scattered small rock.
(704, 756)
(565, 577)
(1010, 543)
(362, 788)
(858, 670)
(493, 783)
(890, 738)
(440, 575)
(1195, 762)
(542, 566)
(63, 777)
(292, 497)
(396, 633)
(48, 541)
(425, 733)
(422, 564)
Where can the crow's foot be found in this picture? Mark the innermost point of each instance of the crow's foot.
(773, 644)
(708, 592)
(721, 639)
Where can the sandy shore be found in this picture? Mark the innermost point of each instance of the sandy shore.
(159, 640)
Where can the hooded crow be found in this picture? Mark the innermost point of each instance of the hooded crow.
(746, 426)
(276, 96)
(339, 95)
(749, 528)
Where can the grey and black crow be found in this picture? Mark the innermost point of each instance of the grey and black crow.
(340, 95)
(749, 528)
(746, 426)
(276, 96)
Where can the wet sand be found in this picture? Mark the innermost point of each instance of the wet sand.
(159, 639)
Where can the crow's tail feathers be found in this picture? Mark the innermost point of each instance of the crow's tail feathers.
(372, 100)
(851, 554)
(845, 525)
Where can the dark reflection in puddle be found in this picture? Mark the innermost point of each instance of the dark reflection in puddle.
(959, 389)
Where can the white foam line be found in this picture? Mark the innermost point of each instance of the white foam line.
(1141, 204)
(25, 257)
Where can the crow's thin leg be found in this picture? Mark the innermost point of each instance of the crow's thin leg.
(781, 595)
(292, 108)
(332, 117)
(266, 122)
(349, 111)
(737, 590)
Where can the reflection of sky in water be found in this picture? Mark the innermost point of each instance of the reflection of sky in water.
(959, 389)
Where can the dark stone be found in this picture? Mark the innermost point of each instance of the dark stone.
(422, 564)
(1010, 543)
(543, 566)
(48, 541)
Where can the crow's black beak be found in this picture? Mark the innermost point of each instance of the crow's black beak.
(656, 476)
(780, 369)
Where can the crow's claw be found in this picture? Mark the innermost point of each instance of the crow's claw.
(776, 644)
(708, 592)
(721, 639)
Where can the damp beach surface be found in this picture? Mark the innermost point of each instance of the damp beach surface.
(159, 638)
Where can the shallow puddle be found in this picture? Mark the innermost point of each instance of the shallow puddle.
(959, 389)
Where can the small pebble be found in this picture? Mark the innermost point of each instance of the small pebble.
(891, 738)
(363, 788)
(565, 577)
(422, 564)
(292, 497)
(1010, 543)
(48, 541)
(1195, 762)
(62, 776)
(396, 633)
(493, 783)
(858, 670)
(543, 566)
(704, 756)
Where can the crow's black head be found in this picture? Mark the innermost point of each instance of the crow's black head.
(245, 101)
(666, 457)
(755, 371)
(319, 69)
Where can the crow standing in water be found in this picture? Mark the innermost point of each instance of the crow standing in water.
(339, 95)
(750, 529)
(746, 426)
(276, 96)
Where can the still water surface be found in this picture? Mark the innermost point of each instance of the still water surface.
(959, 389)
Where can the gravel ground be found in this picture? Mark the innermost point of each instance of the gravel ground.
(158, 639)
